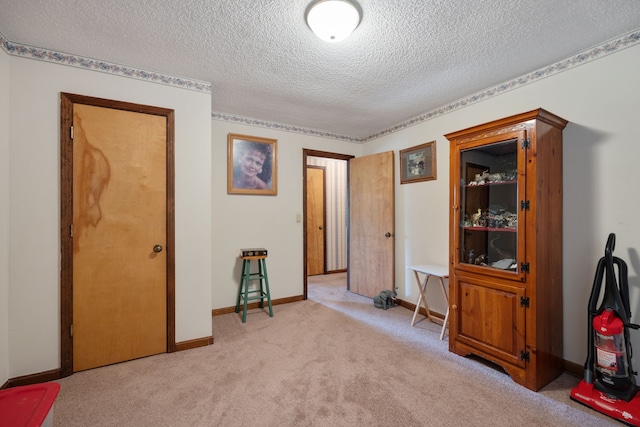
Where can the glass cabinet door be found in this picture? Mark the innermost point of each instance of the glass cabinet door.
(489, 223)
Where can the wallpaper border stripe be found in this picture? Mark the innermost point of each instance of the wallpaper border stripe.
(627, 40)
(614, 45)
(76, 61)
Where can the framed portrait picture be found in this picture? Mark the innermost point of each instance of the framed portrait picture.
(251, 165)
(418, 163)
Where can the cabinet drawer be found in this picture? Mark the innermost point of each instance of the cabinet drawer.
(488, 316)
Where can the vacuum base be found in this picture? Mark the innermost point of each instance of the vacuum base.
(626, 412)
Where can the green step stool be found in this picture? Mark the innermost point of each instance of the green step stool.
(244, 293)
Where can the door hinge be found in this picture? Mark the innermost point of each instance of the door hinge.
(524, 301)
(525, 205)
(71, 331)
(524, 355)
(524, 266)
(71, 132)
(525, 143)
(71, 230)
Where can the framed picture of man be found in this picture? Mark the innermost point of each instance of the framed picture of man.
(251, 165)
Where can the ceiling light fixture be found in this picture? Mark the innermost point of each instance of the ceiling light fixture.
(333, 20)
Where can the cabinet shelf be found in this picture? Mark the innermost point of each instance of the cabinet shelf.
(491, 184)
(492, 229)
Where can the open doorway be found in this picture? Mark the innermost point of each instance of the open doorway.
(325, 227)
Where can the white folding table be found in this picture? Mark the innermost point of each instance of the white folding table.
(439, 271)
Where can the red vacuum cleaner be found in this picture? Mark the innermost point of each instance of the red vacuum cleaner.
(609, 384)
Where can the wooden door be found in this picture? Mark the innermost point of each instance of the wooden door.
(371, 224)
(119, 236)
(316, 220)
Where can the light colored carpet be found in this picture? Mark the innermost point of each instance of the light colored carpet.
(332, 360)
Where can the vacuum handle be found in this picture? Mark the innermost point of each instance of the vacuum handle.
(608, 249)
(624, 285)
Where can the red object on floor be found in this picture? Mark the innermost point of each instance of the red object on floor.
(27, 406)
(627, 412)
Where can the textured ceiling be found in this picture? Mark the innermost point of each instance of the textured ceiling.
(407, 57)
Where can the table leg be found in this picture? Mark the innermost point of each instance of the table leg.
(415, 312)
(446, 316)
(422, 299)
(444, 324)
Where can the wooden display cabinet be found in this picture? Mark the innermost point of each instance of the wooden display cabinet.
(505, 252)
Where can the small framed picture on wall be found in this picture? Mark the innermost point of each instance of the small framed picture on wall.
(251, 165)
(418, 163)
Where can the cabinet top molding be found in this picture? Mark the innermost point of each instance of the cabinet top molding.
(498, 126)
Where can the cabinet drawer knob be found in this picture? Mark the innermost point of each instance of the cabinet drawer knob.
(454, 307)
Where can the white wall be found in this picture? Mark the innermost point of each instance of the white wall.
(262, 221)
(601, 152)
(34, 193)
(4, 217)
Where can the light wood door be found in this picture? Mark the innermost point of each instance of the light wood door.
(119, 236)
(315, 220)
(371, 224)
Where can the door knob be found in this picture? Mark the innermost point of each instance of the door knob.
(320, 228)
(387, 235)
(157, 248)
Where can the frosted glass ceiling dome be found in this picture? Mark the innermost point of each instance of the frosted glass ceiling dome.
(333, 20)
